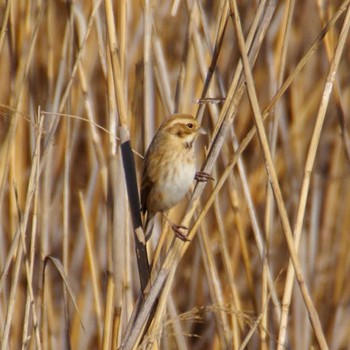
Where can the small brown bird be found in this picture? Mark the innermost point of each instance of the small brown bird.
(169, 168)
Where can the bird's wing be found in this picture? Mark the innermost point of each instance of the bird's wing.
(150, 173)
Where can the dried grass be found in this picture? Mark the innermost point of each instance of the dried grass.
(272, 88)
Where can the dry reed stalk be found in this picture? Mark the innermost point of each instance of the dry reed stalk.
(274, 182)
(277, 110)
(308, 169)
(109, 313)
(77, 66)
(92, 264)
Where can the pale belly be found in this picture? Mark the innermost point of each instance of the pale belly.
(175, 188)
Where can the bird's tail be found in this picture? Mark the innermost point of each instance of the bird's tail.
(148, 227)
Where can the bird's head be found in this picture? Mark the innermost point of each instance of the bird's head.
(183, 127)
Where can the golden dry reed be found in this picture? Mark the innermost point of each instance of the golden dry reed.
(268, 263)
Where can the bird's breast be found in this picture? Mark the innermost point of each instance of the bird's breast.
(178, 179)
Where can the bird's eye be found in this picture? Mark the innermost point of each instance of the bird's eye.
(190, 125)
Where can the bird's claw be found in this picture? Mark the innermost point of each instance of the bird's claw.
(177, 230)
(202, 176)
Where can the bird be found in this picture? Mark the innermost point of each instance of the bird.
(169, 168)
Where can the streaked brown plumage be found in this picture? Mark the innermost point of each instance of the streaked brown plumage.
(169, 167)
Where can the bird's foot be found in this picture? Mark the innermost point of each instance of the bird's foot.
(177, 230)
(202, 176)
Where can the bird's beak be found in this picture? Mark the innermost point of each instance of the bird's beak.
(202, 131)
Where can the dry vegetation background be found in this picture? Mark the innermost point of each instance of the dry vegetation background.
(73, 73)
